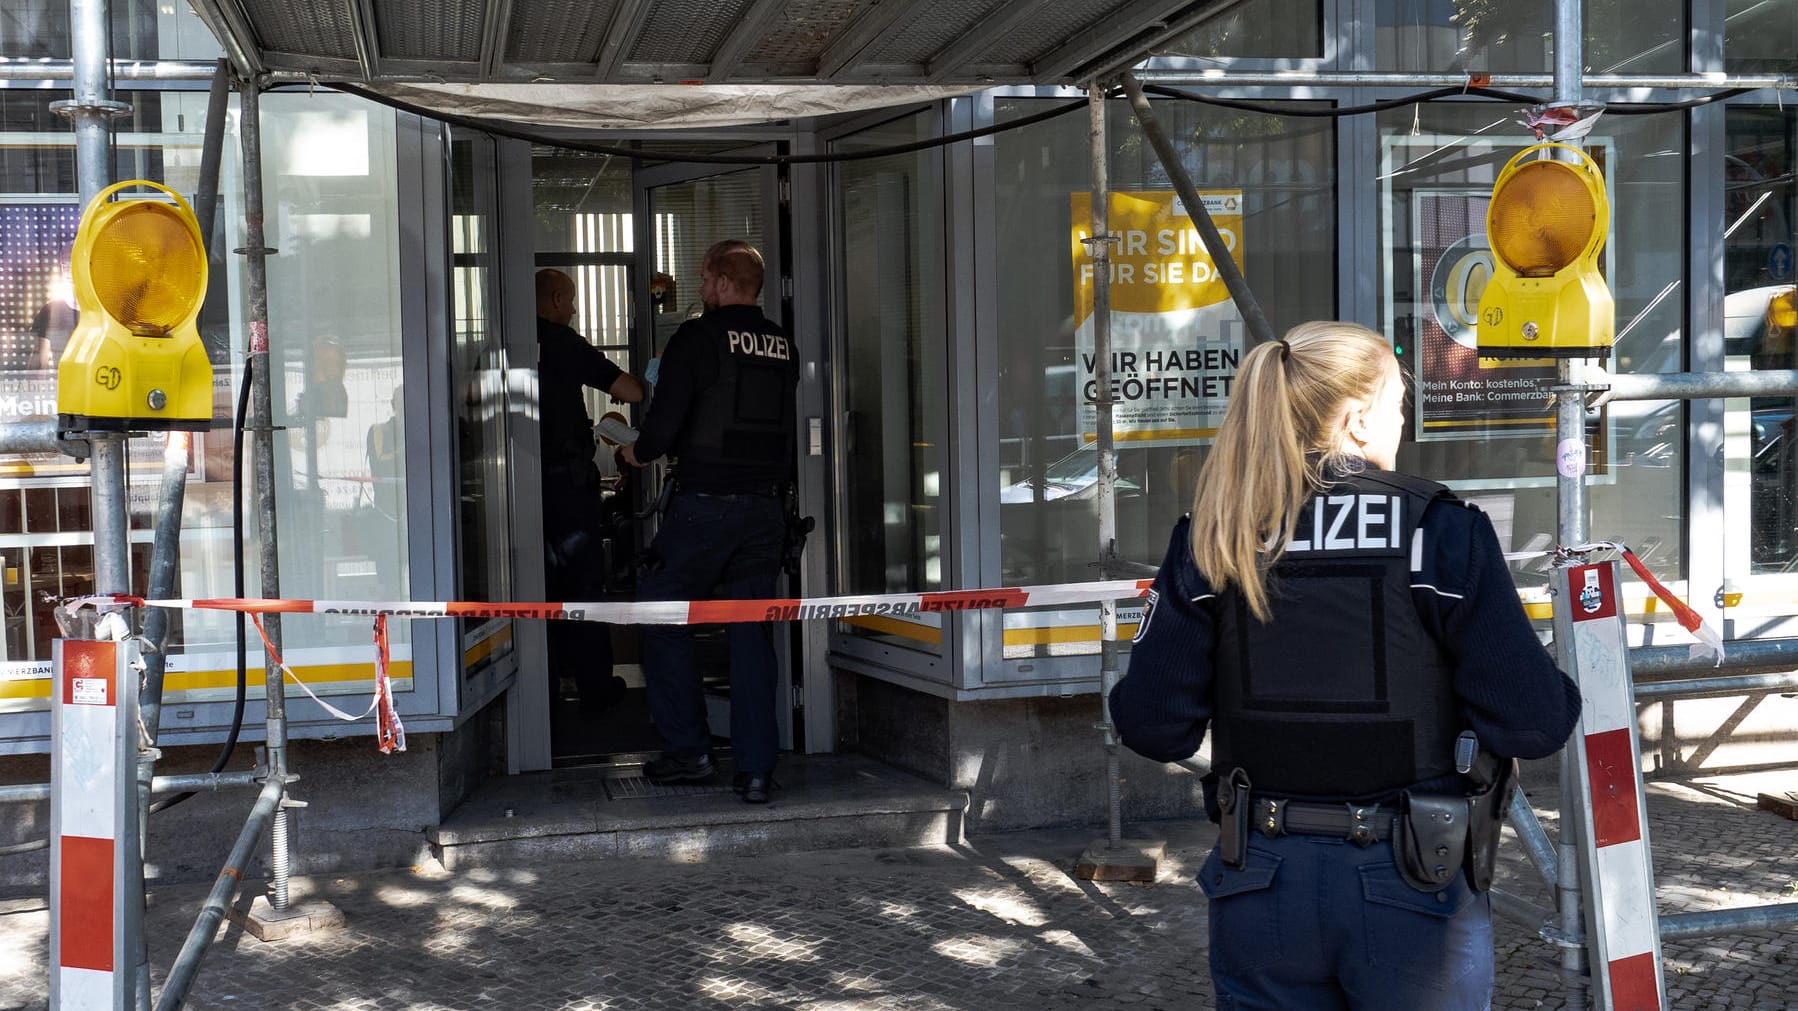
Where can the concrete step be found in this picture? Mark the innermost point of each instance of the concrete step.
(820, 802)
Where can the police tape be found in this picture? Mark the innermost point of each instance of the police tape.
(670, 612)
(391, 734)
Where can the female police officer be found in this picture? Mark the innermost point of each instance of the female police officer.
(1340, 628)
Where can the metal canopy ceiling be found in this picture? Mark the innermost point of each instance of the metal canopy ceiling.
(966, 43)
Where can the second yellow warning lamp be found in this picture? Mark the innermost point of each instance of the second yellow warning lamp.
(1547, 223)
(135, 360)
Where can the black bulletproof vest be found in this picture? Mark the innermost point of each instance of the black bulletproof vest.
(742, 428)
(1343, 694)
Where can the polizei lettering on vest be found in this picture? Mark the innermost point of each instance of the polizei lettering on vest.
(765, 345)
(1350, 523)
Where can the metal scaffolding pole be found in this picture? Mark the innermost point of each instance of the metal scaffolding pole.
(157, 71)
(1570, 508)
(1098, 246)
(261, 425)
(90, 111)
(1115, 859)
(1379, 79)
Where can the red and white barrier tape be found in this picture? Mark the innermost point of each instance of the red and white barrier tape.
(1708, 639)
(391, 735)
(669, 612)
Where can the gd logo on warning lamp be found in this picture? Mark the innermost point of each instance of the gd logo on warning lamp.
(1547, 222)
(135, 360)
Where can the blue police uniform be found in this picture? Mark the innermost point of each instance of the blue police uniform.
(1395, 626)
(573, 555)
(724, 409)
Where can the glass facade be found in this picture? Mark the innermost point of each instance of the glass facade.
(331, 194)
(1511, 37)
(1486, 427)
(483, 422)
(1760, 543)
(1281, 173)
(1252, 30)
(946, 262)
(895, 376)
(1760, 36)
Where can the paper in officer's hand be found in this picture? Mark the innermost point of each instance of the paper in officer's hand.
(614, 430)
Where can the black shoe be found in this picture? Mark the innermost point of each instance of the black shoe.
(754, 786)
(676, 769)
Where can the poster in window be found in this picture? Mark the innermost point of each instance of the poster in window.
(1460, 395)
(1176, 337)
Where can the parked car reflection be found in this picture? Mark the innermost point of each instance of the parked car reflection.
(1759, 325)
(1074, 477)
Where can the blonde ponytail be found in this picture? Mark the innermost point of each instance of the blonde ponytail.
(1278, 436)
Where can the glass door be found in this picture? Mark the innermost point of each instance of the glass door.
(1760, 469)
(686, 210)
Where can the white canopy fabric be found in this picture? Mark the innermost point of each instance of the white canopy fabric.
(653, 106)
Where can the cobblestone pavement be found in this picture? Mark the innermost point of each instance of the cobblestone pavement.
(998, 924)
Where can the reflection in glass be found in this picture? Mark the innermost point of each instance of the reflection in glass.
(483, 568)
(1759, 328)
(1760, 36)
(1253, 29)
(1283, 169)
(1517, 36)
(1485, 427)
(894, 380)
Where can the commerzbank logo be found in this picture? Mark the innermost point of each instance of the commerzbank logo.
(1456, 283)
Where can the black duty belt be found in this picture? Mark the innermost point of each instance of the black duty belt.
(1362, 824)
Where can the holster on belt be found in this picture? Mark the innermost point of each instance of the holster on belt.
(1495, 780)
(1233, 823)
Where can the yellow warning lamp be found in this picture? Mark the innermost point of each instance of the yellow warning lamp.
(1546, 223)
(135, 361)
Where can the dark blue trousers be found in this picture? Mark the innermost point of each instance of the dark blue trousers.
(730, 544)
(1313, 923)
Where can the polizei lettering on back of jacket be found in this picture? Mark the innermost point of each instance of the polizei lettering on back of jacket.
(765, 345)
(1351, 522)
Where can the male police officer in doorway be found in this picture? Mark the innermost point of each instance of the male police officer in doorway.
(574, 565)
(724, 409)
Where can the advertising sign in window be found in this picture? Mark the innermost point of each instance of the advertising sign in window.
(1176, 337)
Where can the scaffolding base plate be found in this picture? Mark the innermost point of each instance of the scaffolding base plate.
(266, 923)
(1128, 860)
(1783, 804)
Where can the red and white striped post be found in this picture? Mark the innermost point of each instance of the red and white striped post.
(1623, 935)
(93, 723)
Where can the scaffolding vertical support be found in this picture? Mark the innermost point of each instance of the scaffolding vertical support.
(1570, 515)
(1098, 246)
(261, 424)
(1577, 886)
(1114, 859)
(90, 111)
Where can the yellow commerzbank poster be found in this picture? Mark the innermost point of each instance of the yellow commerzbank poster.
(1176, 338)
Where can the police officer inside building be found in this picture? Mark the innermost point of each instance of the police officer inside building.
(724, 409)
(1352, 640)
(574, 557)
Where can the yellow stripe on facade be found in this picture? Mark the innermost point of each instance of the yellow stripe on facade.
(892, 626)
(1063, 634)
(174, 682)
(487, 647)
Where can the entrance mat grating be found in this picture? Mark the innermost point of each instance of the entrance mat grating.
(639, 788)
